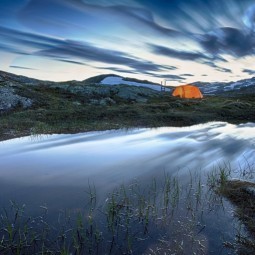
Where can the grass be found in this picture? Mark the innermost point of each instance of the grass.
(166, 216)
(60, 111)
(163, 217)
(240, 192)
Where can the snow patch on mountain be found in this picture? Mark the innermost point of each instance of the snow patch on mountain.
(219, 87)
(113, 80)
(207, 88)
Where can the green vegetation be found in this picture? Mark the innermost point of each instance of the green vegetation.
(241, 194)
(58, 110)
(134, 219)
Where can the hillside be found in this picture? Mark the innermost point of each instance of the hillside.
(218, 88)
(207, 88)
(10, 77)
(29, 106)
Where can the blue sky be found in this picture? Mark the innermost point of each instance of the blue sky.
(179, 40)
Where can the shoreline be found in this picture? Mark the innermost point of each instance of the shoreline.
(16, 134)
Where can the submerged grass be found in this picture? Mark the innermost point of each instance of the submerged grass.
(241, 193)
(167, 216)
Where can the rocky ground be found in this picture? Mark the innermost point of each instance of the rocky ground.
(29, 106)
(10, 100)
(33, 107)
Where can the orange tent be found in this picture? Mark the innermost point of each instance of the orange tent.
(187, 91)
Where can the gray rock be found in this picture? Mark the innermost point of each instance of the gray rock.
(10, 100)
(94, 101)
(137, 94)
(104, 101)
(26, 102)
(76, 103)
(107, 101)
(132, 93)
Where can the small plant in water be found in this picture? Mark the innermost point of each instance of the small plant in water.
(164, 217)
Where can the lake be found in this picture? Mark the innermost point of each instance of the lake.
(57, 171)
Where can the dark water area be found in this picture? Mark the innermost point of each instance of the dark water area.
(57, 172)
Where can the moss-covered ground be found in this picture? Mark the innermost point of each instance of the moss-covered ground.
(60, 111)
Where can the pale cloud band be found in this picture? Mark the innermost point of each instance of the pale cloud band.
(179, 40)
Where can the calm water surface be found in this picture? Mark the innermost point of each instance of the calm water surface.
(54, 170)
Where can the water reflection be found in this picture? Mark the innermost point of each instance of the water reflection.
(55, 170)
(115, 156)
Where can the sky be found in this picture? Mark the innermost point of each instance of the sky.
(182, 41)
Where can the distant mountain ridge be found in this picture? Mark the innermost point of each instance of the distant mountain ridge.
(211, 88)
(30, 106)
(5, 76)
(207, 88)
(100, 78)
(118, 80)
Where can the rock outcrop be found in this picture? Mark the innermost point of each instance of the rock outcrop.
(99, 92)
(9, 99)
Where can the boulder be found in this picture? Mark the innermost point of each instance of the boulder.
(103, 101)
(10, 100)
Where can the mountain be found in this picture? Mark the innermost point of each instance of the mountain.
(4, 76)
(30, 106)
(20, 91)
(111, 80)
(217, 88)
(207, 88)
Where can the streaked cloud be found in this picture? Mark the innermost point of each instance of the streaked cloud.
(119, 70)
(183, 55)
(74, 51)
(227, 40)
(216, 67)
(187, 75)
(170, 77)
(23, 67)
(42, 14)
(179, 40)
(249, 71)
(249, 18)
